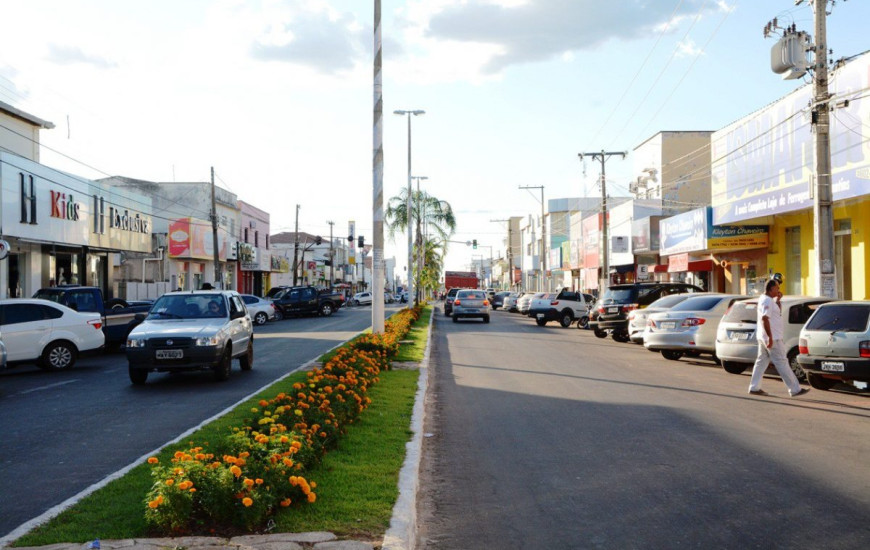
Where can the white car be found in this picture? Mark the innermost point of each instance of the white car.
(362, 299)
(261, 309)
(48, 333)
(688, 328)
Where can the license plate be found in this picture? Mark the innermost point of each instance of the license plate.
(741, 335)
(833, 366)
(669, 324)
(169, 354)
(613, 310)
(471, 310)
(540, 316)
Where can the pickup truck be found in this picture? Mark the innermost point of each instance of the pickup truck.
(118, 316)
(565, 307)
(295, 301)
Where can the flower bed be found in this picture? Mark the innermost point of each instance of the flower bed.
(259, 468)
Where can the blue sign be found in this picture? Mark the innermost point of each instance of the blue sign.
(685, 232)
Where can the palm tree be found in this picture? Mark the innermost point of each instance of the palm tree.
(428, 213)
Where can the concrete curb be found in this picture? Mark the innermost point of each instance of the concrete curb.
(402, 533)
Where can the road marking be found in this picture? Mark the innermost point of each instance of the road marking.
(48, 387)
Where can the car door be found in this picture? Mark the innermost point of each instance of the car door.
(309, 299)
(24, 331)
(239, 325)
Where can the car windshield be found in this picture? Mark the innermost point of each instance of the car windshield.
(471, 295)
(742, 312)
(275, 293)
(669, 301)
(188, 306)
(840, 318)
(698, 303)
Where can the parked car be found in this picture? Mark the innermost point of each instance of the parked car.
(565, 307)
(498, 299)
(388, 298)
(362, 299)
(261, 309)
(198, 330)
(294, 301)
(525, 302)
(736, 340)
(49, 334)
(638, 319)
(835, 344)
(448, 301)
(509, 302)
(620, 300)
(689, 327)
(470, 304)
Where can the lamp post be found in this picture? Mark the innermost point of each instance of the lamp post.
(420, 220)
(408, 113)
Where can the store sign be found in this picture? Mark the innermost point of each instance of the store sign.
(737, 236)
(247, 256)
(591, 228)
(678, 263)
(619, 245)
(685, 232)
(643, 272)
(193, 238)
(64, 207)
(645, 235)
(280, 264)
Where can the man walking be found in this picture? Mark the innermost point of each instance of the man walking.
(770, 346)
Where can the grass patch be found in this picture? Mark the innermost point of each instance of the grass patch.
(419, 336)
(356, 483)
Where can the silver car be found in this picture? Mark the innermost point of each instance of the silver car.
(688, 328)
(638, 319)
(835, 345)
(261, 309)
(470, 303)
(736, 339)
(510, 302)
(525, 302)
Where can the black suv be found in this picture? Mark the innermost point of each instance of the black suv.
(619, 300)
(448, 301)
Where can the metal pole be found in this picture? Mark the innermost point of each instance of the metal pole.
(296, 250)
(331, 257)
(378, 184)
(605, 253)
(214, 236)
(410, 214)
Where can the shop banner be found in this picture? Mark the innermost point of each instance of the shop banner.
(193, 238)
(678, 263)
(280, 264)
(737, 236)
(685, 232)
(555, 258)
(645, 235)
(591, 236)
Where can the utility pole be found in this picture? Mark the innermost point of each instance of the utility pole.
(331, 258)
(378, 265)
(543, 236)
(605, 264)
(510, 253)
(214, 236)
(296, 250)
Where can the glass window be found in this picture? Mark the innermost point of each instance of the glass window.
(742, 312)
(840, 318)
(698, 303)
(13, 314)
(49, 312)
(669, 301)
(249, 299)
(82, 300)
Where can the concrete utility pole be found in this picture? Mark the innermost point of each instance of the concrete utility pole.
(378, 271)
(214, 236)
(543, 236)
(605, 264)
(331, 258)
(296, 250)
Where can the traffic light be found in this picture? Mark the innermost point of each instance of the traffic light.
(474, 244)
(318, 240)
(350, 238)
(361, 241)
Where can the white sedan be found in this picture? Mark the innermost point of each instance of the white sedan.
(50, 334)
(261, 309)
(362, 299)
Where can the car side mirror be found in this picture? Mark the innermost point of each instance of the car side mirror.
(237, 314)
(139, 317)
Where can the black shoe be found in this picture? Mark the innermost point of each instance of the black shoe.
(758, 392)
(803, 391)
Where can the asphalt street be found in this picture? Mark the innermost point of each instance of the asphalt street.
(544, 437)
(61, 432)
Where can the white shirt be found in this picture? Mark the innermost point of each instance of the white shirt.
(767, 307)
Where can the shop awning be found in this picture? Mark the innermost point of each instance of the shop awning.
(659, 269)
(701, 265)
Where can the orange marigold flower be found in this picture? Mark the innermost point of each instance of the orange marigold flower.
(159, 499)
(244, 454)
(178, 454)
(170, 482)
(312, 497)
(263, 403)
(236, 471)
(286, 502)
(247, 501)
(248, 482)
(153, 504)
(258, 481)
(153, 460)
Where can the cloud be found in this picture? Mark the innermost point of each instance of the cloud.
(70, 55)
(546, 29)
(688, 48)
(325, 42)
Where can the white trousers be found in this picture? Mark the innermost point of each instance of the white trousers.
(776, 355)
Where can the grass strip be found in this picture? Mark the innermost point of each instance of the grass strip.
(357, 482)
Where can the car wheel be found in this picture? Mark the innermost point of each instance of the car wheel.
(58, 356)
(600, 333)
(541, 322)
(672, 355)
(137, 376)
(446, 313)
(620, 336)
(455, 319)
(278, 314)
(583, 322)
(246, 361)
(116, 303)
(795, 366)
(733, 367)
(566, 320)
(224, 367)
(486, 319)
(326, 310)
(819, 382)
(261, 318)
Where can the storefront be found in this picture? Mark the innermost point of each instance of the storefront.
(683, 240)
(645, 247)
(255, 267)
(65, 230)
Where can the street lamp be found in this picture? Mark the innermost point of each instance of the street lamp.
(416, 112)
(420, 220)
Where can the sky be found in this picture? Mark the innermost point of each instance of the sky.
(277, 95)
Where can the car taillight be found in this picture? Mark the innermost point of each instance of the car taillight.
(456, 303)
(486, 302)
(96, 323)
(600, 309)
(864, 348)
(554, 303)
(693, 321)
(629, 307)
(803, 349)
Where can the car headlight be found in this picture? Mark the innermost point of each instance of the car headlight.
(135, 342)
(210, 341)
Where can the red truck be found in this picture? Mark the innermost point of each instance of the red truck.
(460, 279)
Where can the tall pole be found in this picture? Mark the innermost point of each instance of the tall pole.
(823, 230)
(214, 235)
(378, 270)
(543, 236)
(605, 254)
(420, 218)
(296, 250)
(509, 253)
(331, 257)
(410, 215)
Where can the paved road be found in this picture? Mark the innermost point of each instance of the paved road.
(60, 432)
(551, 438)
